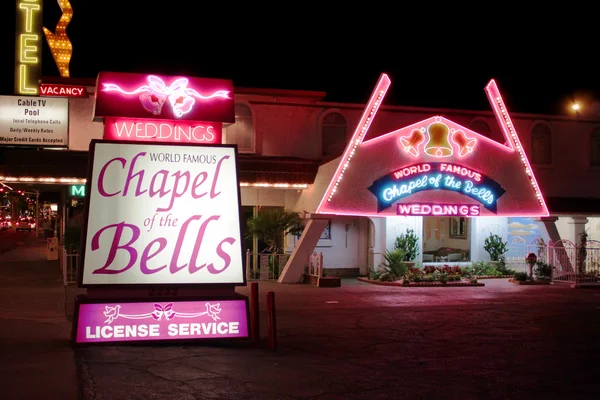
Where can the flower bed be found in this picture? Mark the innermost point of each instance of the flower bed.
(438, 275)
(421, 284)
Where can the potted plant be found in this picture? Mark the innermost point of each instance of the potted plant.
(495, 247)
(407, 243)
(531, 259)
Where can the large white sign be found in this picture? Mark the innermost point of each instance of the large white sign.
(162, 214)
(34, 121)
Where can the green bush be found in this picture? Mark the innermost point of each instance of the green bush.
(495, 246)
(520, 276)
(408, 243)
(481, 268)
(502, 267)
(542, 270)
(374, 275)
(394, 264)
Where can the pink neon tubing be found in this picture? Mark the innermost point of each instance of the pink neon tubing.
(383, 84)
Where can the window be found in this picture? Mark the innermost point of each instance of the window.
(241, 132)
(481, 127)
(595, 148)
(334, 135)
(458, 228)
(541, 144)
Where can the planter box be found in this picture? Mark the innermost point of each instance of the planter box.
(531, 283)
(420, 284)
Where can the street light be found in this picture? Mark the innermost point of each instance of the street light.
(575, 107)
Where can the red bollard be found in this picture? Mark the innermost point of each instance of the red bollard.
(271, 321)
(254, 313)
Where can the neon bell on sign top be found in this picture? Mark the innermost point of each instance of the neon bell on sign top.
(439, 145)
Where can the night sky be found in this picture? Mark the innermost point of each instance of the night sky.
(541, 59)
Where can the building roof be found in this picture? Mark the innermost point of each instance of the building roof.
(74, 164)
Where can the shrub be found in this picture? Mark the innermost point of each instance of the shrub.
(495, 246)
(520, 276)
(408, 244)
(394, 266)
(374, 275)
(481, 268)
(542, 270)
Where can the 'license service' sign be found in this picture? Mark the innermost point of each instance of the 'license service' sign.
(162, 214)
(166, 320)
(34, 121)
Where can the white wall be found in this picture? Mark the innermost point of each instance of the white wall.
(565, 229)
(481, 227)
(309, 199)
(347, 247)
(81, 128)
(593, 228)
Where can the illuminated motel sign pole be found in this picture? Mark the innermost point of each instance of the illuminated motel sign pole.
(28, 47)
(59, 42)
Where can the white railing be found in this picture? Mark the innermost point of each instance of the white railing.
(573, 263)
(264, 266)
(69, 265)
(315, 265)
(518, 264)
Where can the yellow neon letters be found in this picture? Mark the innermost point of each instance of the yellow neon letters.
(28, 43)
(28, 55)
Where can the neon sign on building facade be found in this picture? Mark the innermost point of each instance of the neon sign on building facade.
(433, 167)
(438, 209)
(28, 47)
(436, 176)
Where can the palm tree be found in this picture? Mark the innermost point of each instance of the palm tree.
(271, 224)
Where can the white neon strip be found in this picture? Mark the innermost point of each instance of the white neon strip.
(503, 118)
(359, 134)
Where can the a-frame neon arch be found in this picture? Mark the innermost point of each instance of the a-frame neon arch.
(433, 167)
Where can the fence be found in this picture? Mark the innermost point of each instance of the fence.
(264, 266)
(315, 265)
(519, 248)
(69, 264)
(575, 264)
